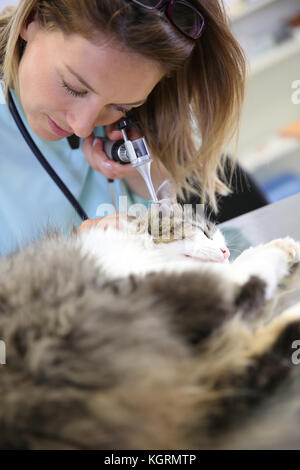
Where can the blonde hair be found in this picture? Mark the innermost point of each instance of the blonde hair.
(193, 113)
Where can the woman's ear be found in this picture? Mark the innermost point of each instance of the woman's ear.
(30, 26)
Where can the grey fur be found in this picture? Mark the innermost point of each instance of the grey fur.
(149, 363)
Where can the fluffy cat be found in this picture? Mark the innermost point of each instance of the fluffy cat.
(119, 339)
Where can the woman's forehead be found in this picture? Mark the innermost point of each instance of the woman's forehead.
(112, 63)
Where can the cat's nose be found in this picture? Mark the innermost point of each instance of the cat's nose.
(226, 252)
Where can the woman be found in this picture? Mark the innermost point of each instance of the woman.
(74, 67)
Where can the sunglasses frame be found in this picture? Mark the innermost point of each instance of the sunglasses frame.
(171, 4)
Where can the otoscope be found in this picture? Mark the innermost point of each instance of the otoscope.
(135, 152)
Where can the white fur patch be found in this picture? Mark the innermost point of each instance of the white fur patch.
(121, 254)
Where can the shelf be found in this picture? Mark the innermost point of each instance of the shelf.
(274, 56)
(249, 10)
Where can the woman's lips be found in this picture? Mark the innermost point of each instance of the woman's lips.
(58, 130)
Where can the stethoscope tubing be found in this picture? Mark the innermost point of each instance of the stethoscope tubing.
(40, 157)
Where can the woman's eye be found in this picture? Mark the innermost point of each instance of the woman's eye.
(81, 94)
(71, 91)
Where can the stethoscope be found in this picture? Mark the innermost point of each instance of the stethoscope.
(135, 152)
(45, 164)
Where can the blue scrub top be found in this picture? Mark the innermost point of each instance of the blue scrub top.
(30, 201)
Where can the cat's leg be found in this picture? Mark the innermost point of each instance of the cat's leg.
(245, 368)
(199, 301)
(287, 325)
(271, 263)
(292, 281)
(196, 303)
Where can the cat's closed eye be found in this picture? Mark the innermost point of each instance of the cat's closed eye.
(208, 228)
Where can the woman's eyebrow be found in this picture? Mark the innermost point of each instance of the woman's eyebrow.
(80, 79)
(84, 83)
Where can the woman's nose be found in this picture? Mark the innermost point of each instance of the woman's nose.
(81, 126)
(83, 121)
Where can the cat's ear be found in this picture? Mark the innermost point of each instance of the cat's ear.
(166, 193)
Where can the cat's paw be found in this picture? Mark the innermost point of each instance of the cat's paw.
(289, 246)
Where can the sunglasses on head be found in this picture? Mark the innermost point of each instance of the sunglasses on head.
(184, 16)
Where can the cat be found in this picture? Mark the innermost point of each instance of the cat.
(125, 339)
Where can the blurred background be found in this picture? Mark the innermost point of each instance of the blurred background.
(269, 32)
(269, 148)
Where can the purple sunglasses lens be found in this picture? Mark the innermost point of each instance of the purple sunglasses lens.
(182, 14)
(150, 3)
(186, 18)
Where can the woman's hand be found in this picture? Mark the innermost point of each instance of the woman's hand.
(98, 160)
(112, 220)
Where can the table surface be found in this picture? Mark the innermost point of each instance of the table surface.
(276, 220)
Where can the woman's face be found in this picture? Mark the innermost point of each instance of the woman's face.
(69, 85)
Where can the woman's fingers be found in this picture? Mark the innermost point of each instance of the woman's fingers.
(112, 220)
(99, 161)
(112, 132)
(93, 151)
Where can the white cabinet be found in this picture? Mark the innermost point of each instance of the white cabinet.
(274, 68)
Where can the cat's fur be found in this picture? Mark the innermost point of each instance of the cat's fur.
(112, 344)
